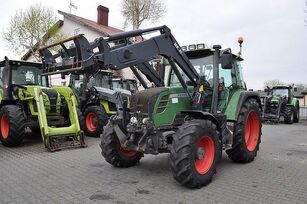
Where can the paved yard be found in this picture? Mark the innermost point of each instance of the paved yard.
(30, 174)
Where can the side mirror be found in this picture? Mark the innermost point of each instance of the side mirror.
(62, 76)
(226, 60)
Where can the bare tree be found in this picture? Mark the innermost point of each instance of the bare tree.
(273, 82)
(305, 20)
(31, 29)
(138, 11)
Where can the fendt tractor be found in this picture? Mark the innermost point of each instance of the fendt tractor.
(202, 109)
(280, 102)
(26, 100)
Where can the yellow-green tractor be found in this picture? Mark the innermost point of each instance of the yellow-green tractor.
(27, 101)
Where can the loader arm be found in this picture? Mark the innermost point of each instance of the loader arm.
(85, 56)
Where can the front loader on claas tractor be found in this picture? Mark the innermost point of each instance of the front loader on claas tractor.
(281, 102)
(204, 107)
(27, 101)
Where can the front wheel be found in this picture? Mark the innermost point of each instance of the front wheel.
(296, 116)
(95, 119)
(288, 115)
(113, 153)
(12, 125)
(247, 133)
(195, 152)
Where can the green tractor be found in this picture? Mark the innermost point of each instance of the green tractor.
(26, 100)
(281, 102)
(202, 109)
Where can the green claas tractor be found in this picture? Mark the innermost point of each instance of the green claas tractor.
(202, 109)
(281, 102)
(26, 100)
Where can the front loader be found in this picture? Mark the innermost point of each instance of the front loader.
(202, 109)
(96, 89)
(26, 100)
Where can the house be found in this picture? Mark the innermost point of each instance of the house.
(73, 25)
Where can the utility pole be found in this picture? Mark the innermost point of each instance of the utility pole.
(71, 5)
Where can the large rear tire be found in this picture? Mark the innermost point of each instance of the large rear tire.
(113, 153)
(12, 125)
(95, 119)
(247, 133)
(296, 116)
(195, 152)
(288, 115)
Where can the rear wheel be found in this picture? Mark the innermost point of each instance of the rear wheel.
(247, 133)
(296, 116)
(288, 115)
(194, 153)
(95, 119)
(113, 153)
(12, 125)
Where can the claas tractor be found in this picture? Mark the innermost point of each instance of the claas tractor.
(186, 116)
(27, 101)
(96, 99)
(281, 102)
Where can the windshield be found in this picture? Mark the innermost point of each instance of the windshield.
(27, 75)
(100, 80)
(280, 92)
(204, 67)
(129, 85)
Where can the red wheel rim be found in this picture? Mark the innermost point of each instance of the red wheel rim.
(5, 126)
(91, 122)
(126, 153)
(204, 155)
(252, 130)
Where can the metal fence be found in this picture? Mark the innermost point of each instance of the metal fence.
(303, 112)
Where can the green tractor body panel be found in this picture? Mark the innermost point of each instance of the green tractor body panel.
(232, 105)
(169, 104)
(293, 101)
(107, 108)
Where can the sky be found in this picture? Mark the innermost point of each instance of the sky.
(275, 35)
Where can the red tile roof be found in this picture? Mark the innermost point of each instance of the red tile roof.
(106, 30)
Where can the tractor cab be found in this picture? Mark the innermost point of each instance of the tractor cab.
(227, 79)
(15, 74)
(102, 78)
(126, 84)
(281, 91)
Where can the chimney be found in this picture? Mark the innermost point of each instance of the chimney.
(102, 15)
